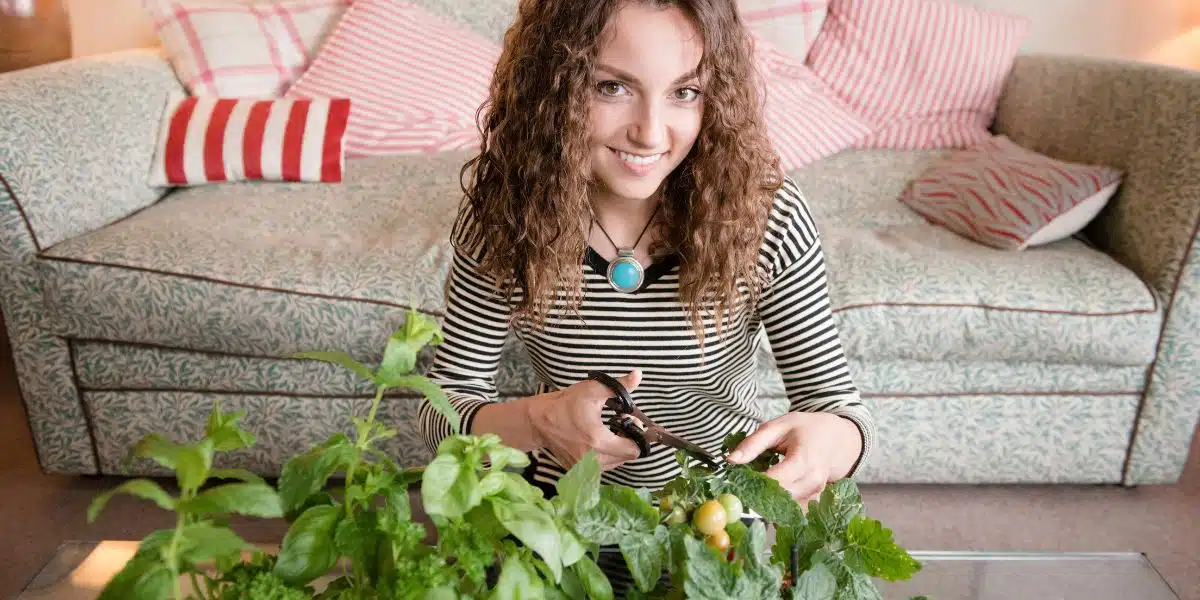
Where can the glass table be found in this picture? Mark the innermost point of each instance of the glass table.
(78, 570)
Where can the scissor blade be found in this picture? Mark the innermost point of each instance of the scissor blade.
(670, 439)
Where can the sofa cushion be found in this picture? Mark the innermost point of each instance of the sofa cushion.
(903, 288)
(266, 268)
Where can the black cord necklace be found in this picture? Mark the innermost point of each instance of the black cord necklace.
(625, 273)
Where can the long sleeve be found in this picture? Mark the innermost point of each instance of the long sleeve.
(796, 313)
(475, 327)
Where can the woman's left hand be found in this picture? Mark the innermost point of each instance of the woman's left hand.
(818, 448)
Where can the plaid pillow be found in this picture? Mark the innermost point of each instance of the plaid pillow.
(1005, 196)
(242, 50)
(790, 25)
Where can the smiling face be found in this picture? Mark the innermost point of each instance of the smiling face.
(646, 106)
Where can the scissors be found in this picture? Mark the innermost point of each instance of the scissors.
(622, 423)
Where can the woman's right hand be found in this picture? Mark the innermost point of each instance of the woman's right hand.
(567, 423)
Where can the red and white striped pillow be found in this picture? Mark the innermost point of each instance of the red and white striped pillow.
(805, 120)
(790, 25)
(242, 49)
(928, 72)
(416, 79)
(1008, 197)
(211, 140)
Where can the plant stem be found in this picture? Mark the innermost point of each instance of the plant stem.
(360, 446)
(173, 554)
(200, 592)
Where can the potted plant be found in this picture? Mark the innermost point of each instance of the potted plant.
(496, 535)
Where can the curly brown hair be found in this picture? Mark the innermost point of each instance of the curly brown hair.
(527, 189)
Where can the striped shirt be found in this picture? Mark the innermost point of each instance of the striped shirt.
(700, 395)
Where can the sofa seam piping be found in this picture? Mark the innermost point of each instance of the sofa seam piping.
(238, 285)
(37, 246)
(88, 419)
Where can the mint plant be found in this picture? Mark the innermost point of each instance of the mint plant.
(351, 535)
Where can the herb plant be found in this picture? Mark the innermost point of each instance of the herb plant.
(352, 536)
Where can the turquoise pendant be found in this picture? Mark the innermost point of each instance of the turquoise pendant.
(625, 273)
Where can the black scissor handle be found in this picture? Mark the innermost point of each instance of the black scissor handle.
(624, 426)
(621, 403)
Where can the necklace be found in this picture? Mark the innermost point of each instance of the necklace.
(625, 273)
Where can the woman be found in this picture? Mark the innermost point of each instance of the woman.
(629, 131)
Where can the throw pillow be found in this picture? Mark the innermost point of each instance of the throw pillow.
(805, 120)
(1008, 197)
(210, 140)
(416, 79)
(929, 72)
(242, 50)
(790, 25)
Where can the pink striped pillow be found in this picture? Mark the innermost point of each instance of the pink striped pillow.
(790, 25)
(242, 49)
(929, 72)
(1008, 197)
(416, 80)
(805, 120)
(210, 140)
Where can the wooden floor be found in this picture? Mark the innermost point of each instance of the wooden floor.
(40, 511)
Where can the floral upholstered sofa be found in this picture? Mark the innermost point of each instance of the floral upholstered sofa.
(132, 309)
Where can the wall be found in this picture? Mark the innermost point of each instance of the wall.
(1110, 28)
(29, 41)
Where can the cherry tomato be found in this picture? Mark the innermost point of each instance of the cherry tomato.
(709, 518)
(718, 541)
(733, 507)
(677, 516)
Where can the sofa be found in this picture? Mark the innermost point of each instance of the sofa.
(132, 309)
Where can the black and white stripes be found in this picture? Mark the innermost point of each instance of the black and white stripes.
(700, 395)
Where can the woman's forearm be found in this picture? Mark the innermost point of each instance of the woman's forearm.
(511, 421)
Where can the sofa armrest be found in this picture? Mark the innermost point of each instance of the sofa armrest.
(1143, 119)
(79, 137)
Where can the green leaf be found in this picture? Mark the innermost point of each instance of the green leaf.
(579, 489)
(202, 541)
(571, 585)
(535, 528)
(398, 504)
(400, 354)
(143, 577)
(239, 474)
(142, 488)
(707, 575)
(572, 547)
(432, 391)
(308, 551)
(817, 583)
(518, 581)
(764, 496)
(251, 499)
(619, 512)
(358, 539)
(838, 504)
(594, 580)
(448, 488)
(193, 463)
(224, 431)
(306, 474)
(157, 448)
(871, 550)
(646, 558)
(339, 358)
(504, 457)
(860, 587)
